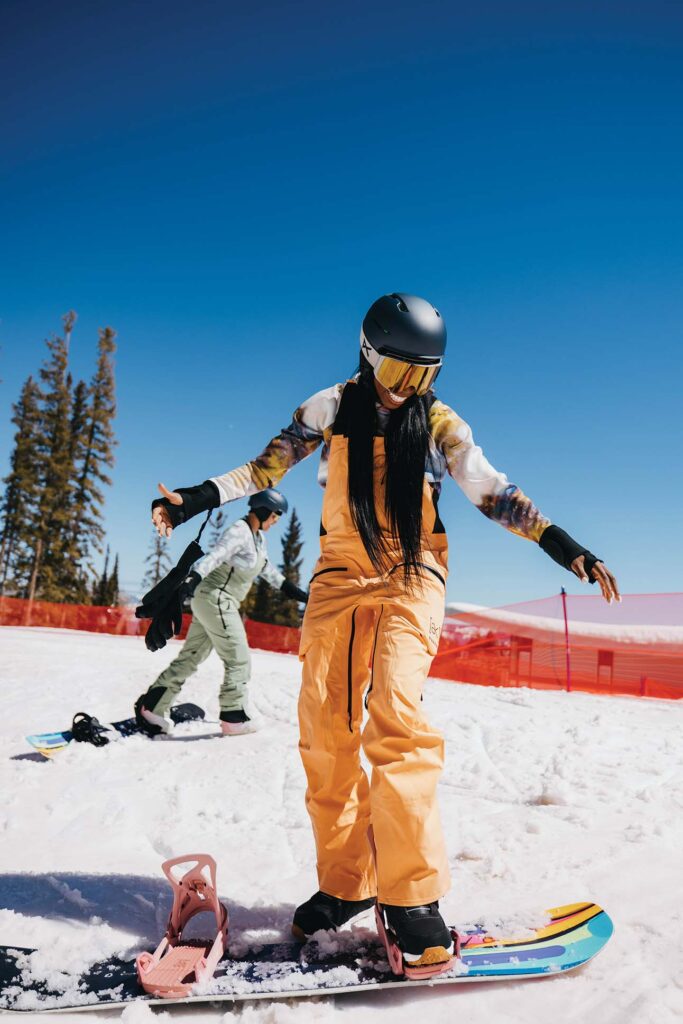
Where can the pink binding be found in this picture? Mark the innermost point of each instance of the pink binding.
(399, 966)
(175, 968)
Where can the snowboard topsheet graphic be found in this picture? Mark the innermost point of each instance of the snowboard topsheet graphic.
(347, 961)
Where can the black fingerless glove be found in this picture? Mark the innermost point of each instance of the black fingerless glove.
(563, 549)
(197, 499)
(290, 589)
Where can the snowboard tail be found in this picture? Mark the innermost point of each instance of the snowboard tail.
(348, 961)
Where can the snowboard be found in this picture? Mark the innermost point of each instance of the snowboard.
(347, 961)
(50, 743)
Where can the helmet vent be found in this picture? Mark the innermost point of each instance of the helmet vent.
(401, 304)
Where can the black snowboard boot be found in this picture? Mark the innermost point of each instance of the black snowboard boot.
(323, 911)
(420, 932)
(150, 723)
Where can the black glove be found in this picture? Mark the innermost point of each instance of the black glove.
(563, 549)
(166, 623)
(195, 500)
(164, 602)
(158, 596)
(189, 585)
(290, 589)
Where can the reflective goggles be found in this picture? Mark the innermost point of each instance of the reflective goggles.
(397, 375)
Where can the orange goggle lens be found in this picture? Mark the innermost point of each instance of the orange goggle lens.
(397, 375)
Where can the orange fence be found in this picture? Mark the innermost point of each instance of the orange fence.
(570, 643)
(121, 621)
(15, 611)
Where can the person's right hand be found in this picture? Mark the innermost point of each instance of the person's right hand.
(160, 514)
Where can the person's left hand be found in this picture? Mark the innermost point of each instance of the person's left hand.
(600, 573)
(161, 518)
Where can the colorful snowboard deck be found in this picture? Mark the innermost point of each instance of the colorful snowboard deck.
(349, 961)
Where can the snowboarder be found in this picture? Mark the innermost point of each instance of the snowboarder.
(377, 599)
(217, 584)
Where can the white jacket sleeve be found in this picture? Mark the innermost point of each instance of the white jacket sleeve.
(272, 576)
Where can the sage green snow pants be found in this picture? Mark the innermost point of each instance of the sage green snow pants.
(216, 625)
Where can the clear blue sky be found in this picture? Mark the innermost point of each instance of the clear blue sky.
(231, 188)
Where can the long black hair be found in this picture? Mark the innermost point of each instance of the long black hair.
(406, 443)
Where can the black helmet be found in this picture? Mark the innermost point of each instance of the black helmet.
(406, 327)
(267, 502)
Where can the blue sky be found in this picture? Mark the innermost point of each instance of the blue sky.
(231, 189)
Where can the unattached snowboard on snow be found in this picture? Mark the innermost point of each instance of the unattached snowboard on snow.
(87, 729)
(348, 961)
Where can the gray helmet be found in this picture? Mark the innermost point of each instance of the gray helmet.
(405, 327)
(266, 502)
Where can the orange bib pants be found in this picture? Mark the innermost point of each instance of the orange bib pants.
(364, 633)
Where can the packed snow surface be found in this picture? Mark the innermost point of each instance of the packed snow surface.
(547, 798)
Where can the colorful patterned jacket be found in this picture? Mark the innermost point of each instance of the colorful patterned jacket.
(451, 450)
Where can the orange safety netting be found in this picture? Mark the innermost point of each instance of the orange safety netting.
(121, 621)
(635, 647)
(15, 611)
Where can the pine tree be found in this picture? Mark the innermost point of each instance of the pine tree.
(93, 443)
(159, 562)
(49, 527)
(286, 609)
(77, 585)
(262, 604)
(100, 588)
(247, 606)
(112, 594)
(21, 488)
(52, 505)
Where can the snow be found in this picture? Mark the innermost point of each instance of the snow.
(547, 798)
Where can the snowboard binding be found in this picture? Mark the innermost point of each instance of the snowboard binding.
(86, 728)
(435, 960)
(175, 967)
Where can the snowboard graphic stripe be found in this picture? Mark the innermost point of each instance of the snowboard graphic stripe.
(562, 925)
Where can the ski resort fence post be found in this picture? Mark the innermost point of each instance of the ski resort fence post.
(567, 651)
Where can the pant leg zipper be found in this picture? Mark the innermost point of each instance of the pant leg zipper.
(350, 670)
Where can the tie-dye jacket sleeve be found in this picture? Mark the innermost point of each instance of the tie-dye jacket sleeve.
(485, 487)
(310, 426)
